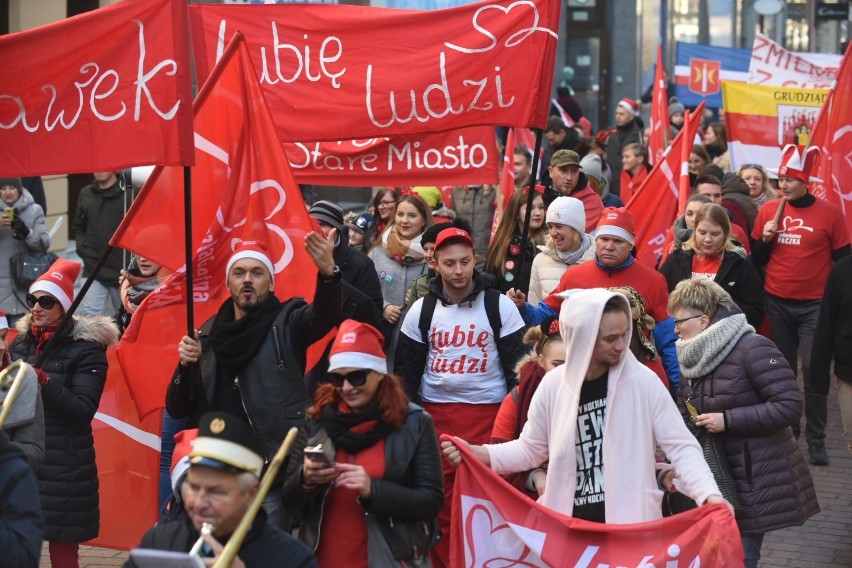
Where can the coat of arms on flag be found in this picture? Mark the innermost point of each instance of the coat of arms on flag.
(704, 76)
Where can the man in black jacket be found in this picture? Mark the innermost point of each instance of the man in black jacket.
(250, 358)
(223, 480)
(459, 360)
(21, 523)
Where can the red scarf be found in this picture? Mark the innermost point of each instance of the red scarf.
(43, 334)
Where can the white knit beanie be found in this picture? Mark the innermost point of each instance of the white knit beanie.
(568, 211)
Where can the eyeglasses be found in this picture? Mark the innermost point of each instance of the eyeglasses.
(355, 378)
(46, 302)
(386, 203)
(680, 321)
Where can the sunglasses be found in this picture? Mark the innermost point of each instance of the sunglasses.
(46, 302)
(355, 378)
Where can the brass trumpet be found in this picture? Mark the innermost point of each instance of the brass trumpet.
(12, 385)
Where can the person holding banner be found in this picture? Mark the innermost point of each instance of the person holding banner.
(799, 244)
(739, 386)
(600, 410)
(249, 358)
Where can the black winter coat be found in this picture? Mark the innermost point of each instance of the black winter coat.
(412, 489)
(21, 524)
(757, 392)
(737, 276)
(834, 330)
(99, 212)
(68, 480)
(263, 547)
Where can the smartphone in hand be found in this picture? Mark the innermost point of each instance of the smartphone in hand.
(318, 455)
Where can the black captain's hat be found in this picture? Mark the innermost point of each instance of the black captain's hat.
(227, 443)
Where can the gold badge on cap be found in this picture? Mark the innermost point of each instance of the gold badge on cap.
(217, 425)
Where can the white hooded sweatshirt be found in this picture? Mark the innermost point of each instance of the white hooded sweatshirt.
(640, 413)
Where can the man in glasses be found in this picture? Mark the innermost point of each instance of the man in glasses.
(799, 249)
(249, 359)
(457, 351)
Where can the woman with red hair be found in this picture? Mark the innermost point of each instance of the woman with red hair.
(371, 478)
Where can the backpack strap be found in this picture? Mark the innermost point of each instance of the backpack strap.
(427, 310)
(492, 310)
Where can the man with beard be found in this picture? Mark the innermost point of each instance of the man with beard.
(249, 359)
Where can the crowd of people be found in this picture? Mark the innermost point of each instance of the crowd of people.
(447, 321)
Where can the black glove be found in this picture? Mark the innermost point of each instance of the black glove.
(20, 230)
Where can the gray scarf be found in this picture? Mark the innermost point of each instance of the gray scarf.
(570, 257)
(700, 355)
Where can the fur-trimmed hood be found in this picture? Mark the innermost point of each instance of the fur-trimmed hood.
(97, 329)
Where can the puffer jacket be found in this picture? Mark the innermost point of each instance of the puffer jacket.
(68, 480)
(12, 297)
(476, 206)
(412, 489)
(21, 524)
(547, 270)
(757, 392)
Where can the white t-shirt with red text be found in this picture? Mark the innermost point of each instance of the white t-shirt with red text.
(463, 364)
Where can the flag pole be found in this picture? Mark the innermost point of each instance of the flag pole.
(187, 220)
(524, 283)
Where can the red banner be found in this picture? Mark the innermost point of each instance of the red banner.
(832, 133)
(660, 135)
(127, 450)
(495, 525)
(243, 189)
(333, 72)
(105, 90)
(467, 156)
(655, 204)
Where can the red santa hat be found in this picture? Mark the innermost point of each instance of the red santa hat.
(616, 222)
(58, 281)
(254, 250)
(4, 321)
(184, 442)
(358, 346)
(630, 105)
(797, 163)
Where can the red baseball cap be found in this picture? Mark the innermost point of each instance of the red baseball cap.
(452, 235)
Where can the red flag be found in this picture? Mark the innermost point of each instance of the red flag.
(516, 137)
(104, 90)
(658, 140)
(243, 189)
(832, 133)
(127, 450)
(655, 204)
(495, 525)
(684, 183)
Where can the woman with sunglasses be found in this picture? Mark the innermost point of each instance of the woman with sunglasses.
(759, 188)
(22, 229)
(72, 377)
(371, 474)
(737, 385)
